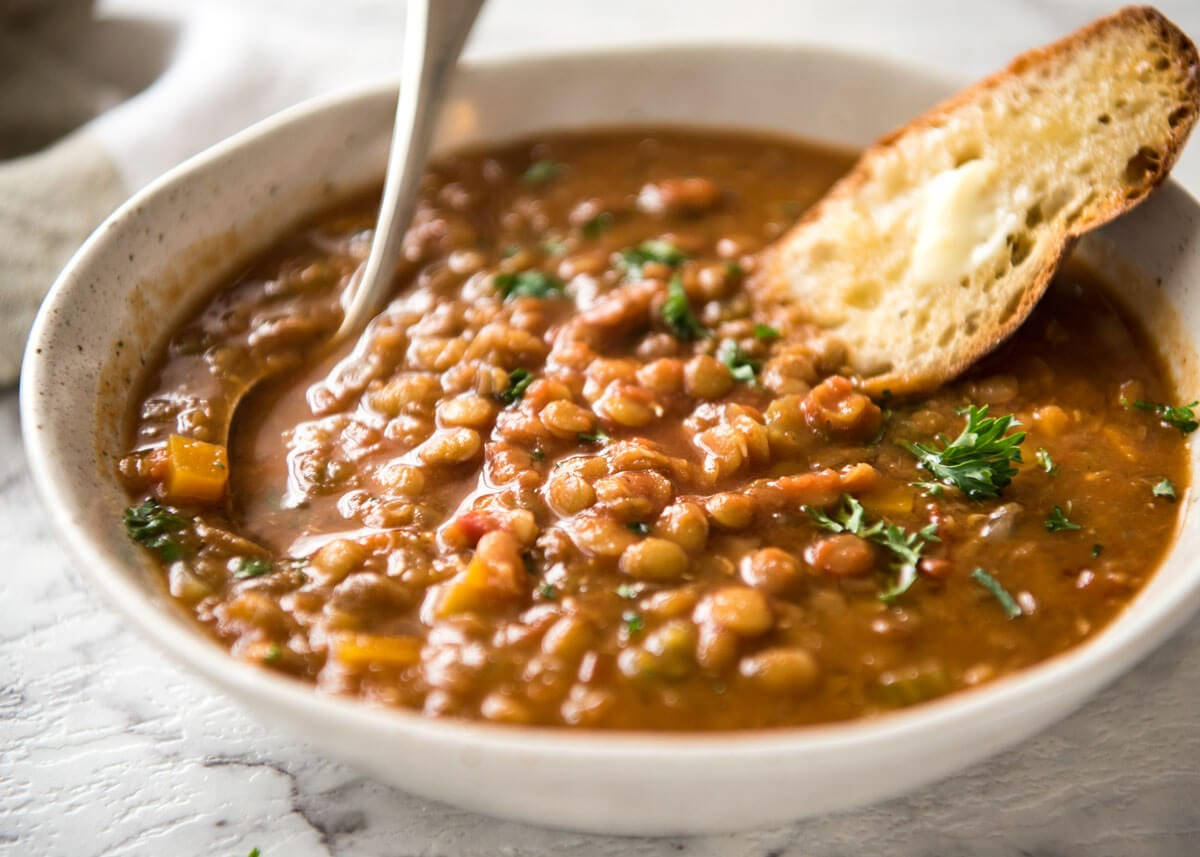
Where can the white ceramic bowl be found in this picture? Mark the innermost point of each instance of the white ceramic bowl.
(149, 264)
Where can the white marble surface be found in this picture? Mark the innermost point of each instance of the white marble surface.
(108, 749)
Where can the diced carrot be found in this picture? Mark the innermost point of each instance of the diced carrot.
(361, 649)
(196, 471)
(495, 576)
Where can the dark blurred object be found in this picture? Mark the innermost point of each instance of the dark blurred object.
(59, 67)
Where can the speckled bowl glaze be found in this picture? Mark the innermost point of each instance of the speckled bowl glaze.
(163, 251)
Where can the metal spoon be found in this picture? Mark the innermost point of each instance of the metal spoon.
(434, 35)
(435, 31)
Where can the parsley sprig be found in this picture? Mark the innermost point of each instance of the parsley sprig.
(905, 547)
(153, 525)
(634, 259)
(1057, 521)
(677, 313)
(248, 567)
(542, 171)
(1165, 489)
(741, 366)
(1009, 604)
(979, 461)
(528, 284)
(518, 381)
(1182, 417)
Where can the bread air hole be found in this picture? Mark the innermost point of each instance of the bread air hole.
(1178, 115)
(1020, 246)
(973, 153)
(864, 294)
(1103, 118)
(1144, 163)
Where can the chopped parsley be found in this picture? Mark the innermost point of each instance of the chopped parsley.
(765, 333)
(1097, 549)
(254, 852)
(979, 461)
(248, 567)
(639, 527)
(677, 313)
(1044, 459)
(598, 225)
(273, 655)
(510, 250)
(634, 259)
(628, 591)
(553, 247)
(518, 382)
(905, 547)
(1164, 489)
(598, 436)
(734, 271)
(537, 454)
(740, 364)
(542, 171)
(154, 526)
(1182, 417)
(634, 623)
(1058, 521)
(548, 591)
(528, 284)
(1009, 604)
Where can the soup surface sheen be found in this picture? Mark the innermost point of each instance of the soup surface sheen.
(576, 475)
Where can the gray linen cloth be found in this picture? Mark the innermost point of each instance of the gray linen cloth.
(99, 97)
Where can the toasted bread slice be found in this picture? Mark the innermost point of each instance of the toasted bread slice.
(941, 239)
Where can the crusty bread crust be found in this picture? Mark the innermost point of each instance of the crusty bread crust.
(779, 282)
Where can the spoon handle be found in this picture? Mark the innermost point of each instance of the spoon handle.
(435, 31)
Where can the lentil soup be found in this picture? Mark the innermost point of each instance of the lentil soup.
(575, 474)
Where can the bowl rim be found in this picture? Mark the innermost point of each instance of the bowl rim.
(1129, 637)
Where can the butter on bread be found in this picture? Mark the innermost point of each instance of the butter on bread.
(943, 236)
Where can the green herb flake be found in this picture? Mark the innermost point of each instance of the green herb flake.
(1182, 417)
(1097, 549)
(542, 171)
(510, 250)
(599, 436)
(979, 461)
(548, 592)
(628, 591)
(739, 363)
(734, 271)
(1044, 459)
(765, 333)
(156, 527)
(274, 654)
(677, 313)
(905, 547)
(634, 623)
(254, 852)
(248, 567)
(1058, 521)
(1164, 489)
(518, 382)
(634, 259)
(639, 527)
(1009, 604)
(537, 454)
(598, 225)
(554, 248)
(528, 284)
(930, 489)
